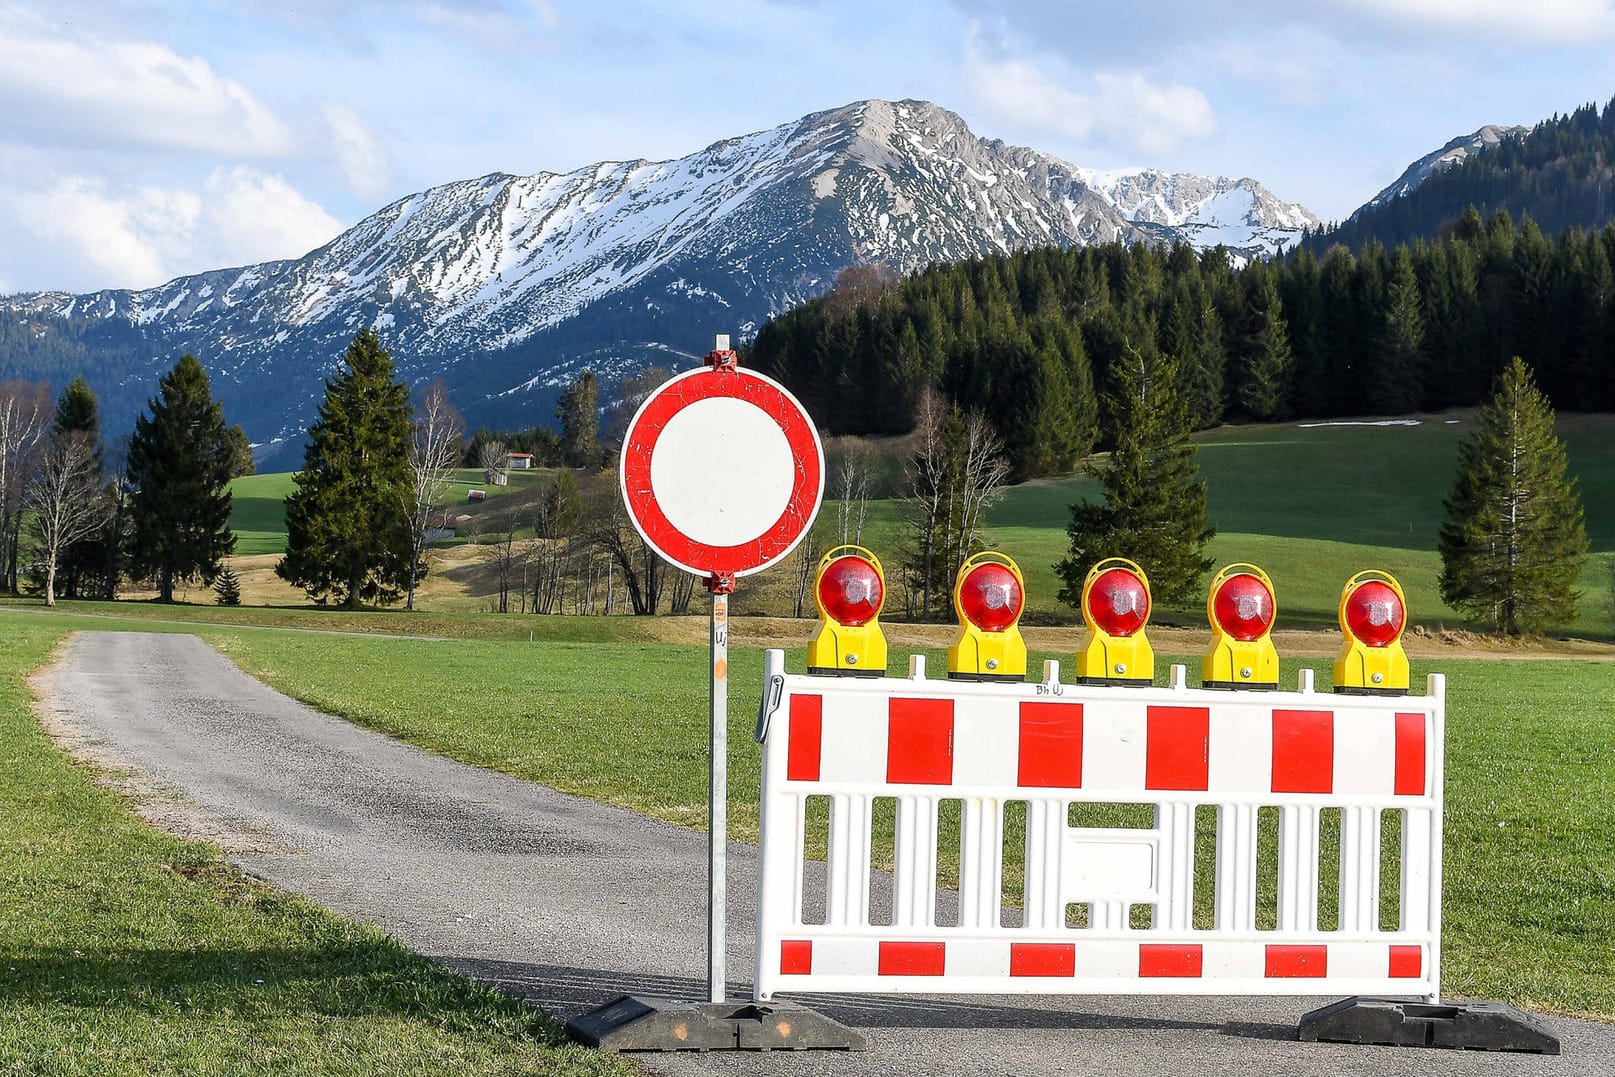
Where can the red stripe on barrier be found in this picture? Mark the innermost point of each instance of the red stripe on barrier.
(1305, 962)
(1410, 755)
(807, 739)
(796, 957)
(1161, 959)
(1407, 962)
(1303, 751)
(1051, 745)
(919, 742)
(912, 958)
(1042, 959)
(1177, 746)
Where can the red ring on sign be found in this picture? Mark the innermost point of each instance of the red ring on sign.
(654, 415)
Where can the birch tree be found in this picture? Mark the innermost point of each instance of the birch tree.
(64, 496)
(25, 411)
(434, 451)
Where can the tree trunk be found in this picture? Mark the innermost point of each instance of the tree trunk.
(50, 581)
(165, 584)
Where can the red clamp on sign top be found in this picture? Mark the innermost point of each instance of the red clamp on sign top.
(722, 476)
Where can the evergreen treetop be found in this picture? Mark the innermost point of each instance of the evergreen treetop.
(1155, 503)
(179, 469)
(1515, 538)
(348, 537)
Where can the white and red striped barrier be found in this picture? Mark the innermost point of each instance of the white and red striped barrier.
(1050, 746)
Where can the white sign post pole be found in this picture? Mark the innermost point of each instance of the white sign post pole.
(718, 792)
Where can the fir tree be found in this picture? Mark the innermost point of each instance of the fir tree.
(241, 461)
(1396, 388)
(347, 525)
(579, 415)
(179, 470)
(227, 587)
(1264, 386)
(1155, 504)
(1514, 540)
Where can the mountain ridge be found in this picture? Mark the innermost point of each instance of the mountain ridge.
(504, 285)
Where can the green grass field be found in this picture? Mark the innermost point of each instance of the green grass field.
(1530, 863)
(126, 951)
(1311, 504)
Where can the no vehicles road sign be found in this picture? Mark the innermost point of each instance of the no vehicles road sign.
(722, 471)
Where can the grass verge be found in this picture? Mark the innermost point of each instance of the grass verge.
(124, 950)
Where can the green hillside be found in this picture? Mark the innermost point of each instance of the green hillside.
(1311, 503)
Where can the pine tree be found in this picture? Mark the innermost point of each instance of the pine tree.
(347, 525)
(227, 587)
(1264, 387)
(1396, 387)
(1514, 540)
(1155, 504)
(579, 415)
(179, 469)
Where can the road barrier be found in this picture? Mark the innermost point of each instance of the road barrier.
(1104, 908)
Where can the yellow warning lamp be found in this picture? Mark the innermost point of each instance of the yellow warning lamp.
(1241, 609)
(1116, 607)
(988, 596)
(1373, 612)
(850, 590)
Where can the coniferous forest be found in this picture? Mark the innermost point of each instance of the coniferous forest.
(1561, 172)
(1029, 337)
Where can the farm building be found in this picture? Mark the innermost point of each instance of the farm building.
(519, 461)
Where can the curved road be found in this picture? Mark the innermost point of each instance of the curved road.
(569, 902)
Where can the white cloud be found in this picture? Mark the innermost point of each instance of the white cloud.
(359, 153)
(143, 236)
(1559, 22)
(62, 87)
(1123, 109)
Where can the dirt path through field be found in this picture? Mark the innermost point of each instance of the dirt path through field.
(569, 902)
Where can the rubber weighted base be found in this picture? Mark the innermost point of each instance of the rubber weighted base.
(1471, 1026)
(639, 1023)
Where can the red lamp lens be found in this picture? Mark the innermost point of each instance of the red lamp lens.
(1118, 602)
(850, 591)
(1374, 614)
(1244, 607)
(991, 598)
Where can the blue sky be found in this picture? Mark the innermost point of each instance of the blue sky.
(143, 140)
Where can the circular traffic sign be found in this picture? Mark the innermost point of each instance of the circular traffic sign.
(722, 471)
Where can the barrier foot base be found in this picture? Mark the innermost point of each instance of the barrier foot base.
(1473, 1026)
(638, 1023)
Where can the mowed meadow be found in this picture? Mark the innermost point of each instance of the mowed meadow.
(1311, 503)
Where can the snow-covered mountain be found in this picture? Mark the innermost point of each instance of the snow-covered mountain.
(507, 285)
(1436, 160)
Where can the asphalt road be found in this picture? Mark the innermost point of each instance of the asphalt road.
(569, 902)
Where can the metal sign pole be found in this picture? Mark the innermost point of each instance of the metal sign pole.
(718, 790)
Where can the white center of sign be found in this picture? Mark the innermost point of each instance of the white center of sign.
(722, 471)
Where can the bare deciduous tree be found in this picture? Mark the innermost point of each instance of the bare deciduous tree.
(491, 458)
(25, 410)
(926, 473)
(853, 465)
(64, 495)
(981, 481)
(433, 454)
